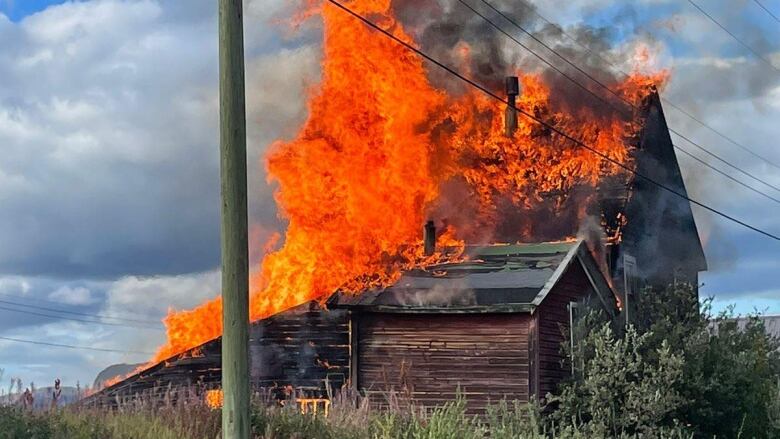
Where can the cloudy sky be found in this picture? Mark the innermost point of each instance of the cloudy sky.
(109, 156)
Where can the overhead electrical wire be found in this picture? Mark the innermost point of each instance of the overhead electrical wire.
(767, 11)
(616, 94)
(563, 134)
(721, 135)
(75, 313)
(722, 160)
(666, 100)
(86, 348)
(737, 39)
(96, 322)
(703, 163)
(545, 61)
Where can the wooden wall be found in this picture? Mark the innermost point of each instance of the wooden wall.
(552, 322)
(305, 349)
(428, 357)
(302, 350)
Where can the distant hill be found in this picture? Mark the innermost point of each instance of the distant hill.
(113, 371)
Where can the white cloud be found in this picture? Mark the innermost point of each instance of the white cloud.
(152, 297)
(131, 297)
(72, 296)
(109, 132)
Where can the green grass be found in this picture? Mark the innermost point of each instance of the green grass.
(140, 423)
(347, 420)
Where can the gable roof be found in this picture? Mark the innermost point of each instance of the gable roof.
(661, 223)
(495, 278)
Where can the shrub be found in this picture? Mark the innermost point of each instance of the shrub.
(16, 423)
(730, 375)
(677, 365)
(617, 392)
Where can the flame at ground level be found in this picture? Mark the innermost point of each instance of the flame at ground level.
(383, 149)
(214, 398)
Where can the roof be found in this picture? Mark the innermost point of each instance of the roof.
(495, 278)
(661, 223)
(771, 323)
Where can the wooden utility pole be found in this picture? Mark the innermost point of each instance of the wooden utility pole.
(235, 251)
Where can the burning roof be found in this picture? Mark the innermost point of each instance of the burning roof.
(495, 278)
(388, 143)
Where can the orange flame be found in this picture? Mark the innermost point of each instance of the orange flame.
(383, 148)
(214, 398)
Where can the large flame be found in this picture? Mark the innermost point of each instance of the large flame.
(383, 149)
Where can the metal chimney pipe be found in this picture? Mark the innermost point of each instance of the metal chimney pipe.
(429, 238)
(510, 116)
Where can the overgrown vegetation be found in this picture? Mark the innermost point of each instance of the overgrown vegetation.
(730, 375)
(678, 372)
(137, 423)
(678, 369)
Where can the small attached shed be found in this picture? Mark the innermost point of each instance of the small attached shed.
(489, 328)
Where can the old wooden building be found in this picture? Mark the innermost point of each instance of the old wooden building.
(650, 230)
(304, 350)
(490, 326)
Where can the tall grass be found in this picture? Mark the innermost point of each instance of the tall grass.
(350, 418)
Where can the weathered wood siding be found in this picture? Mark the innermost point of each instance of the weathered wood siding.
(305, 349)
(302, 350)
(428, 357)
(552, 323)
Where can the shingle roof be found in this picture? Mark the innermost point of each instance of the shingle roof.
(496, 275)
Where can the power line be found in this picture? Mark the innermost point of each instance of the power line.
(75, 313)
(86, 348)
(767, 11)
(541, 122)
(517, 25)
(75, 319)
(744, 44)
(721, 135)
(601, 84)
(724, 161)
(703, 163)
(666, 100)
(548, 63)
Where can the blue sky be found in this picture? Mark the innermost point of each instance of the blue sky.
(18, 9)
(110, 173)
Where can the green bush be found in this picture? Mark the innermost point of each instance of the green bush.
(18, 424)
(676, 366)
(729, 383)
(617, 392)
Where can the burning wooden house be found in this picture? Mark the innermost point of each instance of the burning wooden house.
(388, 144)
(490, 325)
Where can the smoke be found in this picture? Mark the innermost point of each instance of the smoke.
(456, 292)
(452, 33)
